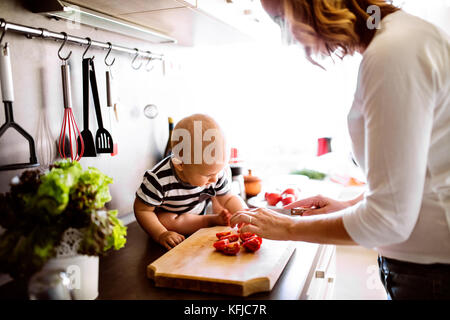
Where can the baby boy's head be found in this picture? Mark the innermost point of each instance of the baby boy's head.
(199, 149)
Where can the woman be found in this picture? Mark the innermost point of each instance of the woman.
(400, 129)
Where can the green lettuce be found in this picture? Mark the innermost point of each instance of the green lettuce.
(54, 191)
(41, 206)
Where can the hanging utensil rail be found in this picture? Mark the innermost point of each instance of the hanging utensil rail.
(31, 32)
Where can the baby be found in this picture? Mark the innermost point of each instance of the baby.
(172, 199)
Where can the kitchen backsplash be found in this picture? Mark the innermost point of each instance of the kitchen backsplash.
(38, 104)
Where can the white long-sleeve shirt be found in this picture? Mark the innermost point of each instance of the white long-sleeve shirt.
(400, 129)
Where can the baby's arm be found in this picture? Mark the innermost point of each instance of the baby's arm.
(147, 219)
(231, 202)
(187, 223)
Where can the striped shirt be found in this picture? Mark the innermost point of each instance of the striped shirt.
(163, 189)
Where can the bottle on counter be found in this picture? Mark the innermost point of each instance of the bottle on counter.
(168, 149)
(237, 175)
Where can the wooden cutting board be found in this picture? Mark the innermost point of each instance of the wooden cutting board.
(195, 265)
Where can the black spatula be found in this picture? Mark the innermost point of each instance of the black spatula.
(103, 139)
(89, 145)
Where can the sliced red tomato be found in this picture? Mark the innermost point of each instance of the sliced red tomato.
(220, 244)
(288, 199)
(245, 235)
(232, 248)
(253, 244)
(255, 237)
(231, 237)
(273, 198)
(220, 235)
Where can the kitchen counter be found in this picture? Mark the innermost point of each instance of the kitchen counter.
(122, 273)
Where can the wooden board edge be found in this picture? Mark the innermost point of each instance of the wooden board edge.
(151, 271)
(233, 288)
(273, 277)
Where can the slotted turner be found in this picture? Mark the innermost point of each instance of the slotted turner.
(103, 139)
(89, 144)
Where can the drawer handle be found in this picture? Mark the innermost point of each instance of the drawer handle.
(320, 274)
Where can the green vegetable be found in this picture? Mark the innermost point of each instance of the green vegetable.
(41, 206)
(312, 174)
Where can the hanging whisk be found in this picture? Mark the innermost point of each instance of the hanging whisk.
(69, 130)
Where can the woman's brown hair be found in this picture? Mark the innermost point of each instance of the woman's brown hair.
(332, 26)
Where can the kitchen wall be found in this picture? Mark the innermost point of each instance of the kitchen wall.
(38, 105)
(272, 103)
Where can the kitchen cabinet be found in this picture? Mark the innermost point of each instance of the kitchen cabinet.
(190, 22)
(323, 275)
(119, 7)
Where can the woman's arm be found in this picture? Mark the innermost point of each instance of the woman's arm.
(272, 225)
(321, 205)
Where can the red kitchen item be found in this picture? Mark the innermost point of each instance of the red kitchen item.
(234, 157)
(69, 129)
(324, 146)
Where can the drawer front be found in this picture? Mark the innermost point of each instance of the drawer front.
(321, 285)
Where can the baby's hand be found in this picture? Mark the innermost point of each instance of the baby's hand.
(170, 239)
(224, 217)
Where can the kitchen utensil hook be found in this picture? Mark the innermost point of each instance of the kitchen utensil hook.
(2, 25)
(60, 48)
(148, 62)
(106, 57)
(134, 59)
(88, 46)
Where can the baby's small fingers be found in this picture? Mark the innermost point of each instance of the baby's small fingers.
(171, 242)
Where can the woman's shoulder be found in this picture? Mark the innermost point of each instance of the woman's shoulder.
(404, 38)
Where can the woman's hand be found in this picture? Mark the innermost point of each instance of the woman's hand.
(319, 205)
(170, 239)
(264, 223)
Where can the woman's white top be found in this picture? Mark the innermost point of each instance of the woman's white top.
(400, 129)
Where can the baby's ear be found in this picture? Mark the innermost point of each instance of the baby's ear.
(177, 163)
